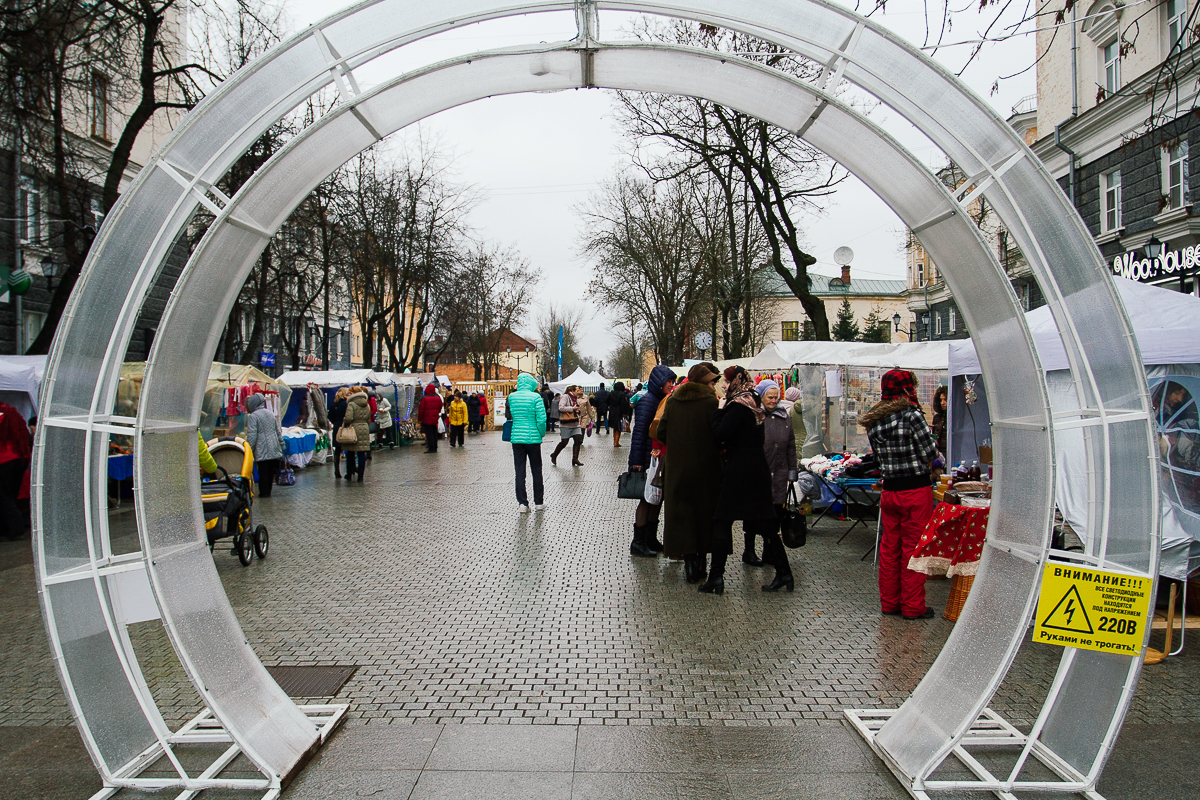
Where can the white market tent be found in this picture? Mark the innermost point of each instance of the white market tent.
(580, 377)
(832, 421)
(337, 377)
(20, 379)
(1167, 327)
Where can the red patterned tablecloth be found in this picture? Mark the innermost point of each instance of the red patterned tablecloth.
(952, 543)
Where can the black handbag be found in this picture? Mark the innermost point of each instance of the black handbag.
(795, 524)
(632, 485)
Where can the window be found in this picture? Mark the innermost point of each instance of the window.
(953, 320)
(1175, 176)
(100, 106)
(1112, 67)
(1176, 20)
(920, 273)
(31, 326)
(791, 331)
(937, 324)
(30, 212)
(1023, 295)
(1110, 201)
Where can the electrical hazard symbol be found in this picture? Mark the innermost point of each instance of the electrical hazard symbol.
(1069, 614)
(1093, 610)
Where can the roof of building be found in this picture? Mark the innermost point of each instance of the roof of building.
(832, 286)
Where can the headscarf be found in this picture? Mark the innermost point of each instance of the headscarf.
(899, 383)
(740, 389)
(702, 372)
(792, 394)
(765, 385)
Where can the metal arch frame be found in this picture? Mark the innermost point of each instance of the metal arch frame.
(73, 550)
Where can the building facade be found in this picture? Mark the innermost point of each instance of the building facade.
(1119, 129)
(884, 298)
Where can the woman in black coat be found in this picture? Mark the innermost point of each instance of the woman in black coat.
(745, 484)
(474, 417)
(619, 410)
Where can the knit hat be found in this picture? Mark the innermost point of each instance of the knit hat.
(792, 394)
(764, 385)
(899, 383)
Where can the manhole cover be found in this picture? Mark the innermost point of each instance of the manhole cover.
(311, 681)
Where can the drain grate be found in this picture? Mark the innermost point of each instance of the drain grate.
(311, 681)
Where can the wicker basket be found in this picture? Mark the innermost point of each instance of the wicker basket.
(959, 590)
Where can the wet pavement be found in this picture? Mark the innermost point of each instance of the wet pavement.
(528, 655)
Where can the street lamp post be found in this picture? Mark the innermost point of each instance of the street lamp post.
(342, 325)
(896, 325)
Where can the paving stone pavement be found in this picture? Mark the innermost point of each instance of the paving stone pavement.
(460, 611)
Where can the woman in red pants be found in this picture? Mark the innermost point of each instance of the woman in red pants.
(906, 449)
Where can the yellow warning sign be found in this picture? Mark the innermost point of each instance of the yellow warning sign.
(1093, 610)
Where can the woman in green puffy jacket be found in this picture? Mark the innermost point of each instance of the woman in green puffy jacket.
(527, 411)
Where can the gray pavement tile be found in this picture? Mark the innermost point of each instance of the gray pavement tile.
(504, 747)
(847, 786)
(665, 750)
(473, 785)
(371, 747)
(316, 784)
(805, 749)
(650, 786)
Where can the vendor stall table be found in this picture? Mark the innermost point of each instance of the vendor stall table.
(120, 468)
(952, 545)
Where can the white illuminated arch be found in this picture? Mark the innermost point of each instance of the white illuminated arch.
(79, 576)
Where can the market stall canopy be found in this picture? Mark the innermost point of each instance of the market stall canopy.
(1164, 322)
(579, 377)
(337, 377)
(905, 355)
(20, 379)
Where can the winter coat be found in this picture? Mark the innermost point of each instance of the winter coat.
(779, 446)
(639, 445)
(693, 467)
(458, 412)
(555, 412)
(587, 414)
(527, 411)
(600, 401)
(383, 413)
(472, 402)
(746, 480)
(796, 417)
(337, 413)
(618, 407)
(358, 416)
(263, 433)
(568, 410)
(431, 406)
(483, 406)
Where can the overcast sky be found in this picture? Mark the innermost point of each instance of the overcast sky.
(537, 156)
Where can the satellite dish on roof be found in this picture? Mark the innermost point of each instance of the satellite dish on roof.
(843, 256)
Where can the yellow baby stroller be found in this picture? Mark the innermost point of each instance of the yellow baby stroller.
(229, 500)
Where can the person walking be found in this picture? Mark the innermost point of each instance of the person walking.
(569, 429)
(745, 492)
(779, 446)
(619, 410)
(905, 447)
(692, 468)
(428, 413)
(15, 453)
(358, 416)
(587, 415)
(484, 410)
(265, 437)
(458, 419)
(600, 404)
(795, 411)
(337, 413)
(472, 401)
(384, 422)
(527, 410)
(645, 523)
(553, 414)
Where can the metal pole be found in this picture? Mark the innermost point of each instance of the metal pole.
(18, 257)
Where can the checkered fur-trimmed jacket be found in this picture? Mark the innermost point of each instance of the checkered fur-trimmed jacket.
(902, 442)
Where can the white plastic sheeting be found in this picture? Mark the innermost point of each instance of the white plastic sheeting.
(20, 379)
(337, 377)
(905, 355)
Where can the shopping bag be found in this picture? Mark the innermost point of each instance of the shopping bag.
(286, 476)
(441, 425)
(654, 494)
(506, 435)
(795, 524)
(632, 485)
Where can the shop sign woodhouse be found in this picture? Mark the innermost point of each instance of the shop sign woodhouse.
(1169, 263)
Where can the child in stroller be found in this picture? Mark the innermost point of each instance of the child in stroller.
(229, 500)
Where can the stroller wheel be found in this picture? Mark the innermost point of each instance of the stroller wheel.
(262, 541)
(245, 548)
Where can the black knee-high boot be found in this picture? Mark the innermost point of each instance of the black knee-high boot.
(638, 546)
(557, 450)
(748, 556)
(575, 462)
(716, 576)
(776, 554)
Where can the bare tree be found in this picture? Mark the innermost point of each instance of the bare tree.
(495, 290)
(650, 260)
(571, 319)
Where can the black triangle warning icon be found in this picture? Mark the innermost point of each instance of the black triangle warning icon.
(1069, 614)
